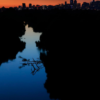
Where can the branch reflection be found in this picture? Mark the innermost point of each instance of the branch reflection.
(36, 64)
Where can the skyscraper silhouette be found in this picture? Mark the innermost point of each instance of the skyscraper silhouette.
(65, 3)
(23, 5)
(75, 2)
(30, 5)
(93, 3)
(93, 0)
(71, 2)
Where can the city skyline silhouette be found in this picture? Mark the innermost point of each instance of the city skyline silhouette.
(15, 3)
(93, 5)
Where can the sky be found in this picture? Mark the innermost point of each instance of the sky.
(13, 3)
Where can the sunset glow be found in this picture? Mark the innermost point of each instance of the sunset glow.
(13, 3)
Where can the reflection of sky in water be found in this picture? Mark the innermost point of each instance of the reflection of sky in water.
(20, 84)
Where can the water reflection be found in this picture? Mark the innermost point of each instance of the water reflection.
(20, 84)
(36, 65)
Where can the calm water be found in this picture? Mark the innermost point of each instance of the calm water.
(19, 83)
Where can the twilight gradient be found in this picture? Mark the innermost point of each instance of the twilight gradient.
(13, 3)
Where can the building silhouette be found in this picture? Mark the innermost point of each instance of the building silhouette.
(93, 0)
(23, 5)
(85, 5)
(44, 7)
(71, 2)
(30, 5)
(65, 3)
(97, 5)
(75, 2)
(78, 6)
(19, 6)
(93, 5)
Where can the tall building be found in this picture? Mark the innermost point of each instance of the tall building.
(30, 5)
(65, 3)
(78, 5)
(75, 2)
(71, 2)
(93, 0)
(23, 5)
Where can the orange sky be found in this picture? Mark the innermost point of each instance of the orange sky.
(12, 3)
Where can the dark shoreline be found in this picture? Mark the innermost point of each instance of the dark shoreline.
(72, 38)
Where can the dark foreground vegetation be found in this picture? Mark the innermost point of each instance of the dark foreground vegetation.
(11, 29)
(71, 39)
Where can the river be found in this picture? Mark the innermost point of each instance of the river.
(19, 82)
